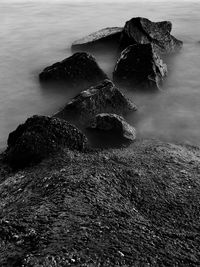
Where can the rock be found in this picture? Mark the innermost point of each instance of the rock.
(139, 66)
(107, 208)
(106, 34)
(113, 122)
(103, 97)
(80, 68)
(143, 31)
(38, 137)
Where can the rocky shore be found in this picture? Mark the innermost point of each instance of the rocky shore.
(64, 202)
(135, 206)
(141, 45)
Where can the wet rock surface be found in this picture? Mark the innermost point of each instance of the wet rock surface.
(79, 69)
(142, 31)
(103, 35)
(137, 206)
(40, 136)
(101, 98)
(114, 123)
(140, 67)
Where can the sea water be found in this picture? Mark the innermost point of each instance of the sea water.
(36, 34)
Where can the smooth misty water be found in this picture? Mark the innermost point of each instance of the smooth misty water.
(34, 35)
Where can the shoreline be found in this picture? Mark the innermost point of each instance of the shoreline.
(109, 199)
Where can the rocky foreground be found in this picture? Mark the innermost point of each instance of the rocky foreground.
(135, 206)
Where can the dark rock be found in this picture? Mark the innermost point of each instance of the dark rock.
(104, 97)
(143, 31)
(136, 207)
(38, 137)
(139, 66)
(113, 122)
(80, 68)
(106, 34)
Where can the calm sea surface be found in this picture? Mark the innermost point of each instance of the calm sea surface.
(36, 34)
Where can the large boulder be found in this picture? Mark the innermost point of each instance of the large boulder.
(80, 68)
(38, 137)
(103, 97)
(133, 207)
(139, 66)
(143, 31)
(103, 35)
(114, 123)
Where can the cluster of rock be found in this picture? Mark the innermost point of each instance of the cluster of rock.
(103, 97)
(143, 31)
(136, 31)
(101, 105)
(141, 43)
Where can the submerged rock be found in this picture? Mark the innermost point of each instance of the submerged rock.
(113, 122)
(38, 137)
(139, 66)
(103, 97)
(106, 34)
(80, 68)
(143, 31)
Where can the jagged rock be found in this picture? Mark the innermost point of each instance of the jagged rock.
(139, 66)
(103, 97)
(38, 137)
(142, 31)
(106, 34)
(80, 68)
(113, 122)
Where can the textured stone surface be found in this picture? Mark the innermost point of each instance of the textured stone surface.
(106, 34)
(38, 137)
(81, 68)
(142, 31)
(140, 67)
(103, 97)
(136, 206)
(114, 123)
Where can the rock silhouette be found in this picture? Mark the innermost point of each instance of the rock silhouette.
(78, 69)
(103, 35)
(139, 66)
(103, 97)
(40, 136)
(143, 31)
(114, 123)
